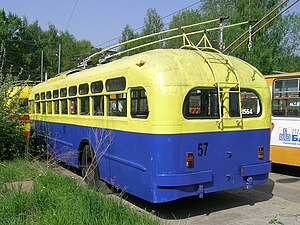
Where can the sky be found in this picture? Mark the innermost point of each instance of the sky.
(96, 20)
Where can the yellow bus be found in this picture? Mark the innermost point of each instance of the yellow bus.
(285, 138)
(161, 125)
(21, 90)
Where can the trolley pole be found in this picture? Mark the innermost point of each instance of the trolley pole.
(59, 58)
(42, 65)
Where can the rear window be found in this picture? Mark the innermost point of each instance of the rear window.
(201, 103)
(250, 104)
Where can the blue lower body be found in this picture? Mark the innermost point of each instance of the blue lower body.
(153, 166)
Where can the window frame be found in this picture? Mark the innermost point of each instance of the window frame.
(247, 90)
(139, 114)
(284, 100)
(186, 104)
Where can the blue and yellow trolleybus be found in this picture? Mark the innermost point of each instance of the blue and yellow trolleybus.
(160, 125)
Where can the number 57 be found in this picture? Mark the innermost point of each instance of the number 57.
(202, 148)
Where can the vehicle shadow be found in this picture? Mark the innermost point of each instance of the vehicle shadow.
(213, 202)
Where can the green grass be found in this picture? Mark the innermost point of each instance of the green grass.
(56, 199)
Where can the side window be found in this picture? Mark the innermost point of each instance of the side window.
(250, 104)
(48, 95)
(201, 103)
(64, 106)
(73, 91)
(117, 105)
(56, 107)
(49, 107)
(55, 94)
(116, 84)
(85, 106)
(97, 87)
(286, 97)
(98, 105)
(63, 92)
(37, 97)
(139, 104)
(44, 107)
(83, 89)
(73, 106)
(38, 107)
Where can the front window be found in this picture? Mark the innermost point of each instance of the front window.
(201, 103)
(286, 97)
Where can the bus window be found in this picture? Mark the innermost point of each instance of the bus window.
(43, 96)
(56, 107)
(286, 97)
(117, 105)
(73, 106)
(72, 91)
(55, 94)
(139, 104)
(201, 103)
(44, 107)
(250, 104)
(85, 106)
(83, 89)
(116, 84)
(48, 95)
(97, 87)
(63, 92)
(49, 107)
(98, 105)
(64, 106)
(37, 96)
(37, 107)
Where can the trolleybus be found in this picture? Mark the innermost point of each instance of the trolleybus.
(162, 124)
(285, 138)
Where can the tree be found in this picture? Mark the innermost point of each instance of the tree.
(152, 24)
(270, 45)
(181, 19)
(24, 43)
(127, 35)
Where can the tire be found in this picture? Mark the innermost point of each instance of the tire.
(89, 167)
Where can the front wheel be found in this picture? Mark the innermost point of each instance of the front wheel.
(89, 167)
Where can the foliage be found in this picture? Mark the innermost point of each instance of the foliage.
(127, 35)
(56, 199)
(152, 24)
(275, 47)
(181, 19)
(12, 139)
(25, 42)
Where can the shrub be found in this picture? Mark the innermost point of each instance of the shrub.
(12, 139)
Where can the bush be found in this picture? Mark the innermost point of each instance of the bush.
(12, 139)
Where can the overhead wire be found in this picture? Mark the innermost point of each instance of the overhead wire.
(71, 14)
(264, 25)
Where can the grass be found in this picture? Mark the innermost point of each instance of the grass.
(56, 199)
